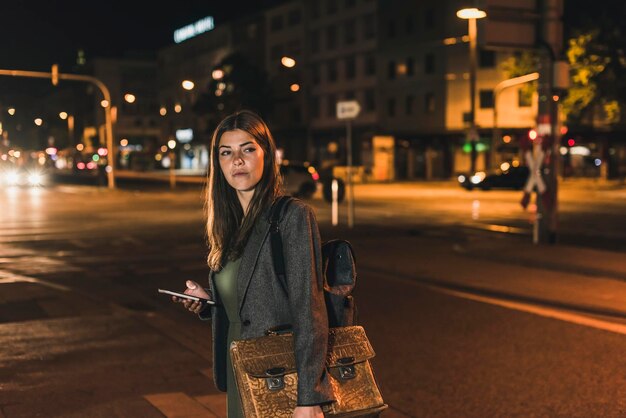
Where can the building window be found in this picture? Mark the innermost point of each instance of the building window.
(370, 64)
(315, 107)
(294, 17)
(315, 9)
(331, 37)
(391, 70)
(524, 97)
(485, 99)
(370, 100)
(276, 23)
(408, 25)
(315, 74)
(331, 108)
(409, 67)
(315, 41)
(487, 59)
(349, 32)
(276, 52)
(429, 102)
(391, 29)
(331, 68)
(429, 18)
(369, 26)
(331, 7)
(409, 104)
(391, 107)
(350, 64)
(350, 95)
(429, 63)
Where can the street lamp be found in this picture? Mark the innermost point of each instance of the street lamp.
(471, 14)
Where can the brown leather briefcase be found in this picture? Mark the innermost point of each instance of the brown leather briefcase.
(265, 371)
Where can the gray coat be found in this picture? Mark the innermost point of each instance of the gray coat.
(263, 304)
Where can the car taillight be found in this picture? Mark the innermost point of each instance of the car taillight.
(315, 176)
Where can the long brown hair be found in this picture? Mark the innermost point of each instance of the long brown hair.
(227, 228)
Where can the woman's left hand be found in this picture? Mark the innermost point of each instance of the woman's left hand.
(308, 412)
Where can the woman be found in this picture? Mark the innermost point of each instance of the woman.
(244, 182)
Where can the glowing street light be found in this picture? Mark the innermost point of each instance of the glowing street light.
(11, 111)
(130, 98)
(217, 74)
(63, 115)
(104, 103)
(471, 14)
(188, 85)
(294, 87)
(38, 121)
(288, 62)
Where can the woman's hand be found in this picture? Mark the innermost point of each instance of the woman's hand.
(308, 412)
(193, 289)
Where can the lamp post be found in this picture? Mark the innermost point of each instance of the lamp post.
(471, 15)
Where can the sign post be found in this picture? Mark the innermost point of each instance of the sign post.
(348, 110)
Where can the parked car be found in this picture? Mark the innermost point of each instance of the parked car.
(512, 178)
(299, 179)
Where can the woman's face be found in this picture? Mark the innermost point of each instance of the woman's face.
(241, 160)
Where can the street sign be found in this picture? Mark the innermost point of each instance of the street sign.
(534, 176)
(348, 109)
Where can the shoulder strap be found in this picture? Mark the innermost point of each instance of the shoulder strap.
(276, 240)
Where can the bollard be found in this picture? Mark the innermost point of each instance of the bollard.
(335, 202)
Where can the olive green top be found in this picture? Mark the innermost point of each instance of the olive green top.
(226, 284)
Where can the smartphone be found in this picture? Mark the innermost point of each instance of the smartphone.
(185, 296)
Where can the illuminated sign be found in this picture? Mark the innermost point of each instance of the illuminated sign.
(184, 135)
(194, 29)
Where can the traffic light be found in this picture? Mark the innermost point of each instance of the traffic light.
(55, 74)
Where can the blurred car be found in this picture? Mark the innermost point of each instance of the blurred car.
(26, 176)
(299, 179)
(511, 178)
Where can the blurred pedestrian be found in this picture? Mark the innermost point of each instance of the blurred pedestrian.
(243, 184)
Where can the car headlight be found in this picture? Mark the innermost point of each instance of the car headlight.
(12, 178)
(461, 178)
(35, 179)
(478, 177)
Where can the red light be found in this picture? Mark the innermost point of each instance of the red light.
(563, 130)
(315, 176)
(532, 134)
(80, 166)
(102, 152)
(571, 142)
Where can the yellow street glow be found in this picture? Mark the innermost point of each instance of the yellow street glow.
(11, 111)
(471, 13)
(124, 142)
(188, 85)
(80, 147)
(130, 98)
(171, 144)
(63, 115)
(178, 108)
(163, 111)
(38, 121)
(294, 87)
(217, 74)
(104, 103)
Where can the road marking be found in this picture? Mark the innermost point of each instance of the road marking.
(6, 277)
(538, 310)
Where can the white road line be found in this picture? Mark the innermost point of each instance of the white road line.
(15, 278)
(540, 311)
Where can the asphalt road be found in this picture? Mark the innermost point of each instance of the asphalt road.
(84, 332)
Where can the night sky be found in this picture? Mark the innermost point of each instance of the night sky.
(36, 33)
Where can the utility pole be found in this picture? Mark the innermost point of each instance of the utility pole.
(548, 139)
